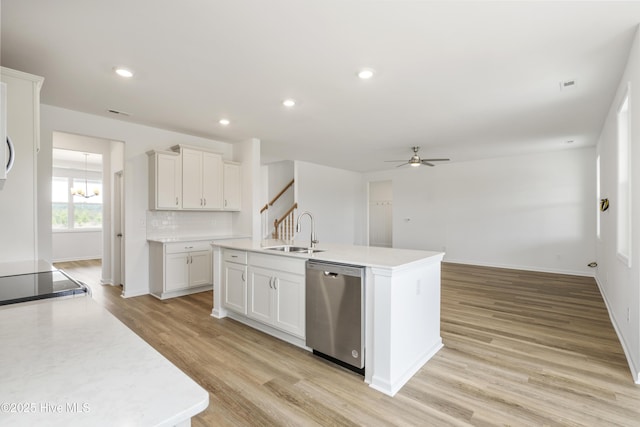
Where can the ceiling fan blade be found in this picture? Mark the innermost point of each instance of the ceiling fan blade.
(435, 160)
(395, 160)
(402, 164)
(424, 162)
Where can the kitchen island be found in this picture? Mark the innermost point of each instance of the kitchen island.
(69, 362)
(401, 302)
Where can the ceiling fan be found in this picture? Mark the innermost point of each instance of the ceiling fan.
(416, 161)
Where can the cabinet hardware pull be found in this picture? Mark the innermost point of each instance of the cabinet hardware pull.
(225, 203)
(205, 202)
(188, 247)
(275, 283)
(270, 280)
(176, 201)
(243, 279)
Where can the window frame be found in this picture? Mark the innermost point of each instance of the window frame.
(79, 175)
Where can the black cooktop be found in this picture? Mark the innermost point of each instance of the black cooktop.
(35, 286)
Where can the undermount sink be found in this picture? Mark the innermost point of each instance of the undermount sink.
(294, 249)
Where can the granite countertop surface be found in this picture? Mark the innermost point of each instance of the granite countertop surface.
(69, 362)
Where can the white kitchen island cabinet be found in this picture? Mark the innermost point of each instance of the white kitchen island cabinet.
(69, 362)
(234, 281)
(401, 302)
(276, 290)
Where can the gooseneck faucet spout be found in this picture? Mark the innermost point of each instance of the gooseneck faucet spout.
(314, 238)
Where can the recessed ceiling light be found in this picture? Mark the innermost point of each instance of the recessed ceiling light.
(224, 122)
(365, 73)
(289, 103)
(123, 72)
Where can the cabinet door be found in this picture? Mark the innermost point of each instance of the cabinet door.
(232, 190)
(168, 181)
(235, 287)
(192, 179)
(176, 272)
(289, 314)
(200, 268)
(260, 294)
(211, 181)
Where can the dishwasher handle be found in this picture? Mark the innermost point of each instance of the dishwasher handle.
(330, 274)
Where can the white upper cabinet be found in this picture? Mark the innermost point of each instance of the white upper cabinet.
(193, 179)
(165, 180)
(201, 180)
(232, 188)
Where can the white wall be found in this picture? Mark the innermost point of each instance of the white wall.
(380, 213)
(138, 140)
(532, 212)
(77, 245)
(247, 221)
(620, 284)
(279, 175)
(336, 198)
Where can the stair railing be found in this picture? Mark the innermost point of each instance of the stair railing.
(285, 225)
(264, 217)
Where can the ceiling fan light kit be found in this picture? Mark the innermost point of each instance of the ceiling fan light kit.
(416, 161)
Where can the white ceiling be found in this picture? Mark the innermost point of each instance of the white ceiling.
(464, 80)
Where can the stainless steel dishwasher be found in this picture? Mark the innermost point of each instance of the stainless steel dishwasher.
(335, 313)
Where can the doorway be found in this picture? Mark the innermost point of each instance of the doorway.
(381, 213)
(103, 185)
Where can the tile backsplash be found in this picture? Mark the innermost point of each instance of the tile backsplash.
(167, 224)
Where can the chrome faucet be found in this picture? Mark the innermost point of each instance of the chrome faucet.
(314, 238)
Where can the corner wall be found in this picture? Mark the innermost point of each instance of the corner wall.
(620, 284)
(336, 198)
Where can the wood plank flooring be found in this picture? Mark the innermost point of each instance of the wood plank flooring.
(521, 349)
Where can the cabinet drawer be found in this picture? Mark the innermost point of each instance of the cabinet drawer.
(173, 248)
(232, 255)
(277, 262)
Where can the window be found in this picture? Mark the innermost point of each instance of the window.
(624, 187)
(75, 212)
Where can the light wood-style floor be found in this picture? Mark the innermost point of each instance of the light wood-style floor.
(521, 349)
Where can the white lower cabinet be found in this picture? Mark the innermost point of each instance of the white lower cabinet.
(177, 269)
(264, 288)
(234, 281)
(276, 297)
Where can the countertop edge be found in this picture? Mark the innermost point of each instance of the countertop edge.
(333, 254)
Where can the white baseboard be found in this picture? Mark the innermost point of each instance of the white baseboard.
(521, 267)
(635, 371)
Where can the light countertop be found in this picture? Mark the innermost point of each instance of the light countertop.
(69, 362)
(367, 256)
(201, 238)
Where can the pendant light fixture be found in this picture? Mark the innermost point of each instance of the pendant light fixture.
(80, 192)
